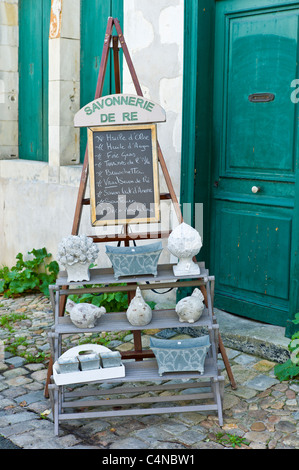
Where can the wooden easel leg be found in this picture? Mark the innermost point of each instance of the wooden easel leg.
(116, 64)
(227, 364)
(221, 345)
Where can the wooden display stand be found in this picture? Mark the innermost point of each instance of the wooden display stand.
(205, 391)
(138, 354)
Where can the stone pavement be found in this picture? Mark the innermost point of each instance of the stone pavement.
(261, 413)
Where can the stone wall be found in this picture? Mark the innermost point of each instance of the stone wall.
(9, 79)
(64, 86)
(37, 199)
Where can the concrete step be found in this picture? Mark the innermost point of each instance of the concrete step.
(253, 337)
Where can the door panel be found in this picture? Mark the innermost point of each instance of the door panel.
(262, 54)
(34, 24)
(255, 143)
(94, 17)
(247, 263)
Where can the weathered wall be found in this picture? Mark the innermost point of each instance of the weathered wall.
(9, 78)
(37, 200)
(154, 33)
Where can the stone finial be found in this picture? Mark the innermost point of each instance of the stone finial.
(76, 253)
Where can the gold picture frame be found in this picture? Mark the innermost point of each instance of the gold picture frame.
(94, 200)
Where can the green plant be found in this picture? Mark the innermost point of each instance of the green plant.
(112, 301)
(37, 358)
(30, 275)
(230, 439)
(30, 358)
(290, 369)
(6, 320)
(13, 346)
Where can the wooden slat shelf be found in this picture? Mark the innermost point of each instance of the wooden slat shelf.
(147, 371)
(137, 412)
(118, 322)
(105, 276)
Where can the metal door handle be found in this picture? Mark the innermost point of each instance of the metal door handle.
(255, 189)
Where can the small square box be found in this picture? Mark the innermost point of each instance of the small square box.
(68, 364)
(111, 359)
(89, 360)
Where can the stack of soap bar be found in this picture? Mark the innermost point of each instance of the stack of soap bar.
(68, 364)
(111, 359)
(89, 361)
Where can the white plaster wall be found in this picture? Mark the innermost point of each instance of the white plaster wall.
(35, 212)
(154, 33)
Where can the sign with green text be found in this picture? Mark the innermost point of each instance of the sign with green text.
(119, 109)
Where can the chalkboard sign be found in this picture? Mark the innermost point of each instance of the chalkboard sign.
(123, 167)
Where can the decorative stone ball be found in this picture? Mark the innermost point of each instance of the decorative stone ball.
(184, 241)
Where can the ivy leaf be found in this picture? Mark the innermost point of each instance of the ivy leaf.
(286, 371)
(53, 267)
(97, 300)
(119, 296)
(40, 254)
(2, 286)
(3, 272)
(151, 304)
(85, 298)
(20, 262)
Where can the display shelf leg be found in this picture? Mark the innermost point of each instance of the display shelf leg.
(54, 397)
(218, 399)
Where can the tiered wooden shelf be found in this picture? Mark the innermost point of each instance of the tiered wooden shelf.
(144, 367)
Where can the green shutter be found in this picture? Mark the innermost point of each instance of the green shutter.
(34, 23)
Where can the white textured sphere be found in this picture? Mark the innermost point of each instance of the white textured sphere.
(184, 241)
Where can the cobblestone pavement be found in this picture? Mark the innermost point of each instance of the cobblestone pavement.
(262, 413)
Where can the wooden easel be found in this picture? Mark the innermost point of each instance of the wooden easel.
(125, 237)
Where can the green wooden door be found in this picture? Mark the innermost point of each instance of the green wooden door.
(94, 17)
(255, 148)
(34, 24)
